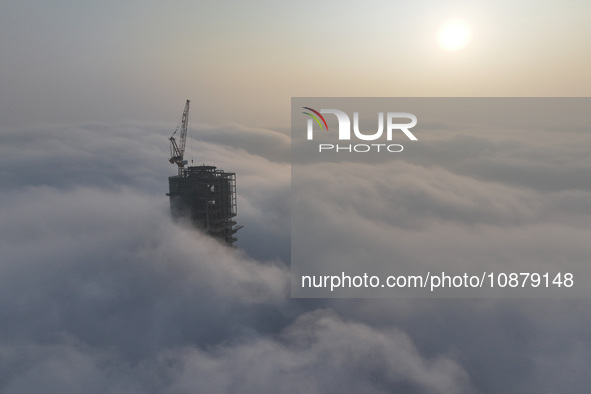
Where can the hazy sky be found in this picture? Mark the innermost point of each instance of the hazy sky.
(242, 61)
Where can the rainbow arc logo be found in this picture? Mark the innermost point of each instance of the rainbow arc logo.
(316, 117)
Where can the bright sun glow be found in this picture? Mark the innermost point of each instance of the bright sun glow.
(454, 35)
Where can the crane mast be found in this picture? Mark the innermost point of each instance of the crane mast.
(177, 151)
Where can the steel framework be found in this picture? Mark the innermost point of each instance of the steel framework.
(207, 196)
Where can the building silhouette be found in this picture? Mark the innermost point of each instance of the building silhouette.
(204, 195)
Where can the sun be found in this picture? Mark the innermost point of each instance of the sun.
(454, 35)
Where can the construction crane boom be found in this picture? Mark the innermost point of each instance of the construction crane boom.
(177, 151)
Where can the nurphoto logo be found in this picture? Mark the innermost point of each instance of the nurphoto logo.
(344, 134)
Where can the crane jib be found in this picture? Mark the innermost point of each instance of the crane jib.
(177, 151)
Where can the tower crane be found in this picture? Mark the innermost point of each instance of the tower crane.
(178, 150)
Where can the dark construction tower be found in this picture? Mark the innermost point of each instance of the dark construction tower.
(203, 194)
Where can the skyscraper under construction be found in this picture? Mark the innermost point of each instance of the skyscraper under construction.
(202, 194)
